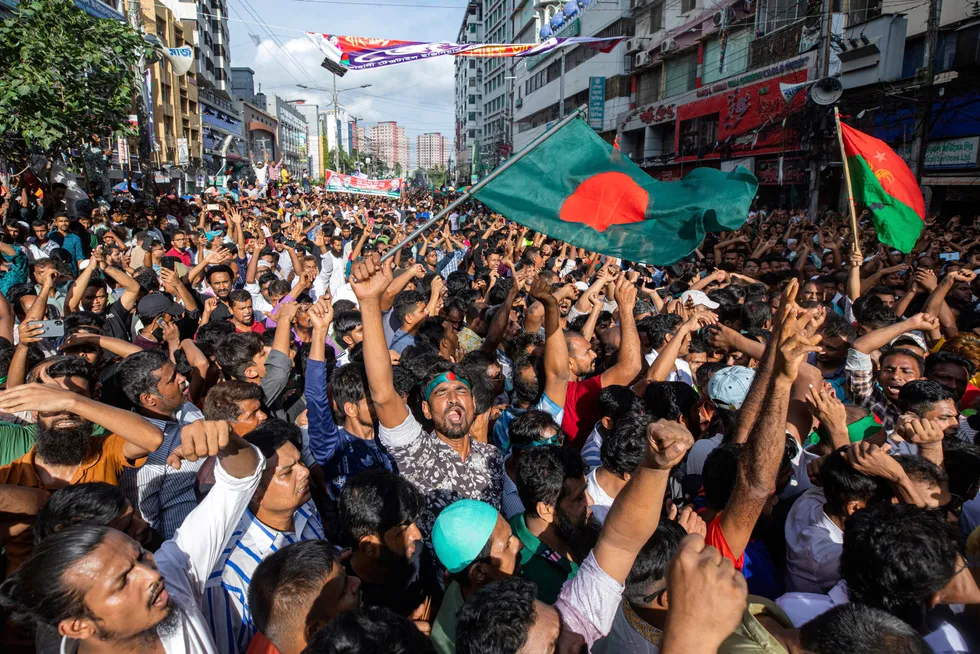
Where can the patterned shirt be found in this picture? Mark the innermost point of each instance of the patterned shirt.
(165, 496)
(439, 473)
(865, 392)
(226, 591)
(469, 340)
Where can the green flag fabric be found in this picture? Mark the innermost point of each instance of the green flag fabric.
(575, 187)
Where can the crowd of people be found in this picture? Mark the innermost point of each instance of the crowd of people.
(230, 427)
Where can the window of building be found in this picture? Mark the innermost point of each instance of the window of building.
(472, 64)
(698, 134)
(648, 86)
(656, 17)
(775, 14)
(688, 6)
(680, 74)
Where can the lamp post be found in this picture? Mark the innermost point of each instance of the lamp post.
(336, 108)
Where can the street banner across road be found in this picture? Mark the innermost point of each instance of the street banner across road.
(362, 53)
(340, 183)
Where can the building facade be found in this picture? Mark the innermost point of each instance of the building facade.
(469, 96)
(432, 150)
(261, 133)
(292, 136)
(335, 134)
(390, 144)
(314, 146)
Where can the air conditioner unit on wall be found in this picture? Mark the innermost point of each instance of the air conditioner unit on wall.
(632, 45)
(719, 18)
(668, 46)
(642, 59)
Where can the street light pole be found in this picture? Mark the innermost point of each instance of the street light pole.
(336, 116)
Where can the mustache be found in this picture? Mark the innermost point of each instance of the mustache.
(155, 591)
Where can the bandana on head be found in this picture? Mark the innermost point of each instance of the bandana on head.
(441, 379)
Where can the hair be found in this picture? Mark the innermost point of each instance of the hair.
(344, 323)
(920, 395)
(239, 295)
(616, 401)
(755, 314)
(374, 501)
(541, 475)
(220, 268)
(431, 331)
(854, 627)
(405, 303)
(901, 351)
(719, 474)
(871, 312)
(235, 353)
(62, 366)
(921, 470)
(659, 326)
(349, 385)
(842, 484)
(622, 451)
(961, 462)
(499, 292)
(529, 427)
(403, 380)
(836, 325)
(945, 356)
(497, 618)
(440, 366)
(285, 584)
(279, 288)
(649, 571)
(37, 593)
(965, 344)
(457, 281)
(91, 503)
(137, 375)
(369, 630)
(670, 400)
(273, 434)
(896, 556)
(222, 401)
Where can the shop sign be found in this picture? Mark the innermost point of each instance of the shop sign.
(657, 114)
(765, 73)
(794, 171)
(597, 102)
(745, 162)
(948, 153)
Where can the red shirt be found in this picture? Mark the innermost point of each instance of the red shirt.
(256, 327)
(185, 256)
(716, 538)
(581, 409)
(261, 645)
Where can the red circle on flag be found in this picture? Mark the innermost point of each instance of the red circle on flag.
(610, 198)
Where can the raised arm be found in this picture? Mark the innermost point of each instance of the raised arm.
(879, 338)
(369, 279)
(664, 363)
(74, 298)
(398, 284)
(324, 435)
(630, 359)
(131, 288)
(498, 326)
(556, 373)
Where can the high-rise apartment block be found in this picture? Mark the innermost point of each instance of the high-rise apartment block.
(432, 150)
(391, 145)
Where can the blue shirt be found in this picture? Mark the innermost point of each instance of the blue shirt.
(400, 341)
(338, 452)
(72, 243)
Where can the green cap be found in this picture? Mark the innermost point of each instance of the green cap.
(461, 532)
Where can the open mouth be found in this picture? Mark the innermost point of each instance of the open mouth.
(454, 415)
(160, 597)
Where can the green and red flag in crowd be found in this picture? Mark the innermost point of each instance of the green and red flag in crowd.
(882, 182)
(575, 187)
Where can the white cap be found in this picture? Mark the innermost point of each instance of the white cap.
(699, 299)
(729, 386)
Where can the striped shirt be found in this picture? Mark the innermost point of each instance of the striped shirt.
(226, 592)
(165, 496)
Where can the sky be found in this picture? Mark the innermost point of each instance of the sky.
(418, 95)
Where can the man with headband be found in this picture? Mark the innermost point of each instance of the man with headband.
(445, 464)
(477, 546)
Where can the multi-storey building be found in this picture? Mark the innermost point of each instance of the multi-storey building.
(335, 133)
(261, 133)
(292, 136)
(432, 150)
(469, 96)
(391, 145)
(314, 146)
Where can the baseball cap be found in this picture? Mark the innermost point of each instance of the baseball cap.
(698, 298)
(582, 286)
(156, 304)
(909, 338)
(729, 386)
(461, 532)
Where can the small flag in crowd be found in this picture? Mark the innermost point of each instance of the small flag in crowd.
(575, 187)
(882, 181)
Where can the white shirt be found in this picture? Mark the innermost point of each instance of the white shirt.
(226, 590)
(699, 453)
(813, 545)
(680, 372)
(186, 561)
(588, 602)
(601, 500)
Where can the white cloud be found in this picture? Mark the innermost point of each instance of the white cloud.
(418, 95)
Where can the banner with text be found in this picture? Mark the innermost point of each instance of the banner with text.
(340, 183)
(361, 53)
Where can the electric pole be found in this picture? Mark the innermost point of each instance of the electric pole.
(924, 111)
(143, 104)
(816, 144)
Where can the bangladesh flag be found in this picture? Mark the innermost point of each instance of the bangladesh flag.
(575, 187)
(881, 181)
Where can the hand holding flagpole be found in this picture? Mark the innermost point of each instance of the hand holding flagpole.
(855, 240)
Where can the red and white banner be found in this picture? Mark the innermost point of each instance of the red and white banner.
(340, 183)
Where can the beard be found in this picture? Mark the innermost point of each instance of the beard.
(450, 429)
(401, 567)
(580, 536)
(64, 446)
(147, 638)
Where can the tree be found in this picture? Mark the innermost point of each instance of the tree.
(437, 176)
(398, 169)
(66, 76)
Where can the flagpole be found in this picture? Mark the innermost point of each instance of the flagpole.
(855, 242)
(486, 180)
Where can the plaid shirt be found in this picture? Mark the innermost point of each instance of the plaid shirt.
(863, 390)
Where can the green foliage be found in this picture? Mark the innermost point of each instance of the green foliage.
(66, 75)
(437, 176)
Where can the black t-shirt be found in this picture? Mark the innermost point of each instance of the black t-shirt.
(118, 321)
(403, 593)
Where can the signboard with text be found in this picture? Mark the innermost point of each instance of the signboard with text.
(947, 153)
(339, 183)
(597, 102)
